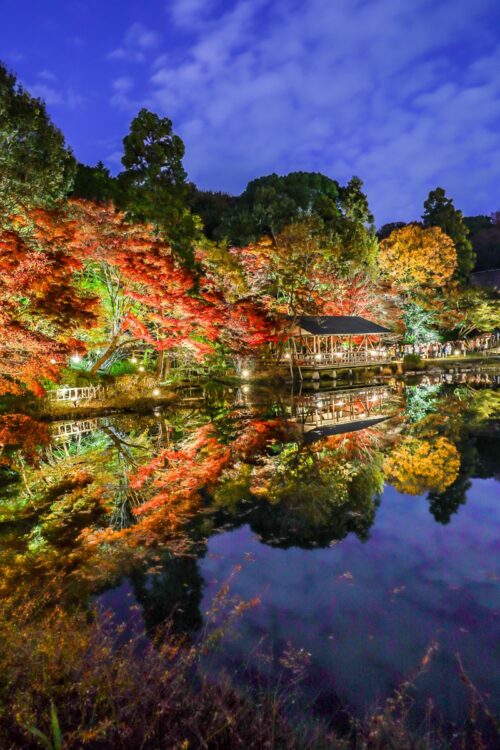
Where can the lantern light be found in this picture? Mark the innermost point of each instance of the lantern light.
(156, 392)
(133, 359)
(53, 361)
(318, 357)
(76, 359)
(245, 373)
(141, 369)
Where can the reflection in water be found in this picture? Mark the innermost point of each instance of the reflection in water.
(150, 497)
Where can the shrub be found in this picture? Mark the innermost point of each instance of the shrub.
(412, 362)
(123, 367)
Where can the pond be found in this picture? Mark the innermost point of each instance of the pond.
(361, 522)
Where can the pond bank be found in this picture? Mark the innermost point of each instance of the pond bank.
(143, 396)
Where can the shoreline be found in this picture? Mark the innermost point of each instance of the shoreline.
(118, 404)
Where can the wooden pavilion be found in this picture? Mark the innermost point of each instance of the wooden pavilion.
(329, 342)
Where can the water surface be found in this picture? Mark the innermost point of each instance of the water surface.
(366, 520)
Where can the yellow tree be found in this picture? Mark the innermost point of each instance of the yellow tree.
(418, 465)
(419, 264)
(418, 260)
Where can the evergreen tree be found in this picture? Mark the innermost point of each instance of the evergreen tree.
(153, 186)
(95, 183)
(439, 211)
(36, 167)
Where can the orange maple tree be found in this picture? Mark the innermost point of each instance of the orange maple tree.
(165, 304)
(41, 307)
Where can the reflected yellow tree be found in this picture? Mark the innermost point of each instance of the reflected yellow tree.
(420, 464)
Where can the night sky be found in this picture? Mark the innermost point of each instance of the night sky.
(403, 93)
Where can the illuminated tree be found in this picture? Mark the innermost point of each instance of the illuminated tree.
(41, 306)
(21, 435)
(418, 260)
(147, 296)
(419, 266)
(418, 465)
(420, 324)
(478, 310)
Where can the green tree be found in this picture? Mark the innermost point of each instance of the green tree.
(479, 310)
(439, 211)
(475, 223)
(271, 203)
(36, 167)
(153, 187)
(386, 229)
(486, 243)
(420, 324)
(94, 183)
(211, 206)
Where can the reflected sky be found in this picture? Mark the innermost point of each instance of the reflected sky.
(368, 611)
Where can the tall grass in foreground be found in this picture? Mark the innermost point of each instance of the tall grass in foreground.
(72, 680)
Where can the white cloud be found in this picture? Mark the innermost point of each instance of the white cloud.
(189, 13)
(142, 37)
(124, 83)
(122, 97)
(65, 97)
(120, 53)
(115, 158)
(49, 94)
(138, 41)
(47, 75)
(407, 95)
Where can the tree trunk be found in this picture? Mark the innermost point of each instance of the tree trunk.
(159, 365)
(104, 357)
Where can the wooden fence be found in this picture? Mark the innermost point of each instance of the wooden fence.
(67, 430)
(76, 395)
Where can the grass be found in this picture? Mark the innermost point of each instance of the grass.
(73, 680)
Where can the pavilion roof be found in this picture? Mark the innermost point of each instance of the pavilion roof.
(318, 433)
(338, 325)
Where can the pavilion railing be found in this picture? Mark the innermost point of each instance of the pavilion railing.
(339, 357)
(341, 406)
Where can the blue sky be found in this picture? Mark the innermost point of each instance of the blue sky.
(403, 93)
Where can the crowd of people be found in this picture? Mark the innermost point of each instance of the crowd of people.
(460, 348)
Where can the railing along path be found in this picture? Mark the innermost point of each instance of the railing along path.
(67, 393)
